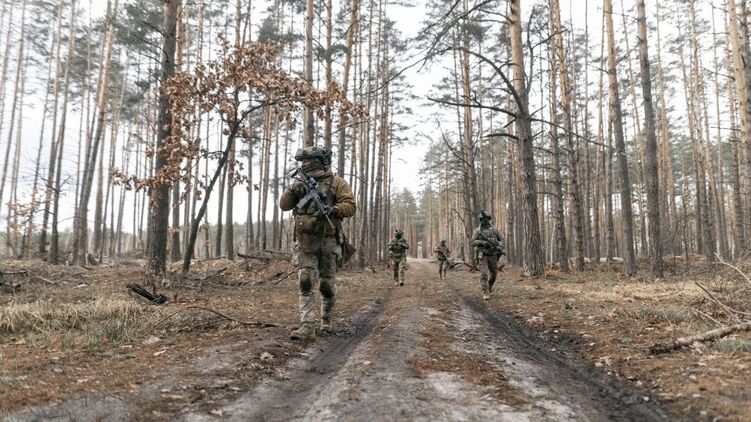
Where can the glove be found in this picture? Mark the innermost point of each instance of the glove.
(327, 211)
(299, 189)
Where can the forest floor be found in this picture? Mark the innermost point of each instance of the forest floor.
(564, 347)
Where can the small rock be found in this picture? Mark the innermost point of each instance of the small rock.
(151, 340)
(266, 357)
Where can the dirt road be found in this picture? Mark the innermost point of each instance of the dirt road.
(425, 351)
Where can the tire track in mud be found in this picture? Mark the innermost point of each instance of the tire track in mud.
(369, 372)
(304, 378)
(588, 391)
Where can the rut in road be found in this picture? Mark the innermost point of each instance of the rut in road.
(429, 352)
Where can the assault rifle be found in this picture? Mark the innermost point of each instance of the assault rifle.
(494, 244)
(312, 193)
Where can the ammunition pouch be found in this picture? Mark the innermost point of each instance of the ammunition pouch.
(308, 224)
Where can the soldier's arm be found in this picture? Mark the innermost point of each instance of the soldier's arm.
(290, 196)
(498, 236)
(345, 205)
(475, 239)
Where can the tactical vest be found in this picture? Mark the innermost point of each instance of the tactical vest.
(398, 247)
(307, 216)
(489, 233)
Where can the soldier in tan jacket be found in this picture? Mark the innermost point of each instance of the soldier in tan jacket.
(318, 239)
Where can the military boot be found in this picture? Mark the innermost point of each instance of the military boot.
(326, 326)
(485, 296)
(306, 332)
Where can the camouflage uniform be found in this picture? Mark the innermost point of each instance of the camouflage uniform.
(487, 258)
(398, 253)
(442, 254)
(317, 251)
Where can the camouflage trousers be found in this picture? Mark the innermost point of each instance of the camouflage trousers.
(488, 265)
(316, 259)
(443, 267)
(399, 265)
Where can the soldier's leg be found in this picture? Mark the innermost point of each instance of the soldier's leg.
(492, 271)
(395, 265)
(402, 265)
(485, 274)
(305, 259)
(327, 265)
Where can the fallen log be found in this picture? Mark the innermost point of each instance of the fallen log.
(715, 334)
(40, 278)
(17, 272)
(140, 291)
(213, 311)
(284, 276)
(266, 255)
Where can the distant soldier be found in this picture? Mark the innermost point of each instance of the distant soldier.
(319, 201)
(442, 253)
(488, 248)
(398, 253)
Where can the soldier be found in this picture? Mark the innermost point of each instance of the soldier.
(398, 253)
(488, 248)
(442, 254)
(317, 233)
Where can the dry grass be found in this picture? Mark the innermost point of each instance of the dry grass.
(95, 322)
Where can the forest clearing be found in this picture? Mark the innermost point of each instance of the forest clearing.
(569, 347)
(375, 210)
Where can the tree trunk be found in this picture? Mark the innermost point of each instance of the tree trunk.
(742, 65)
(574, 188)
(620, 146)
(560, 249)
(652, 176)
(534, 262)
(308, 129)
(159, 195)
(60, 144)
(354, 25)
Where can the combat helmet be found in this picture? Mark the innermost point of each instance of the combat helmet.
(320, 153)
(484, 215)
(398, 233)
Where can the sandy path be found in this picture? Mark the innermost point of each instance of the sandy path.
(371, 370)
(424, 351)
